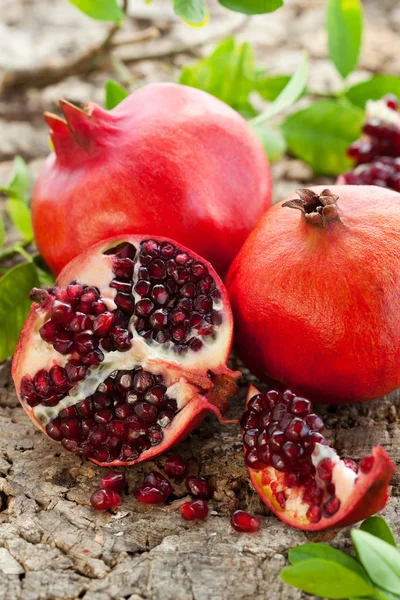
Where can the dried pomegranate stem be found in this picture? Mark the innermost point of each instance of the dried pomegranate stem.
(318, 210)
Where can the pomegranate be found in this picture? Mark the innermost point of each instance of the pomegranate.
(298, 476)
(126, 354)
(169, 159)
(315, 293)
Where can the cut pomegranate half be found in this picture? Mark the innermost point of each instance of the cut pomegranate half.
(126, 354)
(297, 475)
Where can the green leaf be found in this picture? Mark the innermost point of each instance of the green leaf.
(380, 560)
(252, 7)
(344, 25)
(115, 93)
(193, 12)
(378, 527)
(272, 139)
(15, 304)
(325, 552)
(321, 133)
(46, 277)
(2, 232)
(326, 578)
(101, 10)
(228, 74)
(19, 184)
(290, 93)
(373, 89)
(20, 215)
(270, 87)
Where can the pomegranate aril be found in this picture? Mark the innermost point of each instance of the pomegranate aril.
(256, 404)
(104, 499)
(245, 522)
(75, 370)
(314, 514)
(71, 428)
(63, 343)
(156, 479)
(278, 462)
(253, 460)
(74, 292)
(198, 487)
(143, 381)
(115, 480)
(196, 509)
(71, 445)
(90, 294)
(61, 312)
(49, 331)
(249, 420)
(42, 383)
(97, 308)
(123, 267)
(123, 381)
(157, 269)
(325, 469)
(69, 411)
(250, 438)
(292, 451)
(143, 288)
(312, 439)
(28, 389)
(366, 463)
(350, 464)
(300, 406)
(123, 411)
(146, 412)
(167, 250)
(53, 430)
(80, 322)
(297, 430)
(277, 440)
(159, 319)
(144, 307)
(164, 418)
(156, 395)
(125, 302)
(59, 379)
(314, 422)
(103, 416)
(159, 294)
(85, 343)
(103, 323)
(122, 338)
(150, 495)
(175, 467)
(281, 499)
(122, 285)
(331, 506)
(203, 304)
(195, 344)
(92, 358)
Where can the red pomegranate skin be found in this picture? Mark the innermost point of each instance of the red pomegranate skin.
(169, 159)
(318, 308)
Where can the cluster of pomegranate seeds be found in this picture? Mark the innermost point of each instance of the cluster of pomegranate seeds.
(155, 489)
(377, 153)
(195, 509)
(175, 467)
(125, 416)
(280, 430)
(245, 522)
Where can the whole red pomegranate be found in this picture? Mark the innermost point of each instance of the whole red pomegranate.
(315, 293)
(169, 159)
(126, 354)
(298, 476)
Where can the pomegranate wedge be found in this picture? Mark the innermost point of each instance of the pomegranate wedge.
(297, 475)
(126, 354)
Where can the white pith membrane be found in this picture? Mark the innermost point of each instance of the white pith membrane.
(290, 504)
(188, 376)
(380, 110)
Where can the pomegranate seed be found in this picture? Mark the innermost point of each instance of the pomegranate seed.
(146, 412)
(59, 379)
(366, 463)
(125, 302)
(325, 469)
(249, 420)
(97, 308)
(85, 343)
(350, 464)
(198, 487)
(103, 324)
(296, 430)
(314, 514)
(61, 312)
(75, 370)
(53, 430)
(245, 522)
(42, 384)
(157, 480)
(175, 467)
(121, 338)
(253, 460)
(250, 438)
(28, 389)
(281, 499)
(90, 294)
(314, 422)
(80, 322)
(74, 292)
(104, 499)
(92, 358)
(331, 506)
(157, 269)
(196, 509)
(49, 331)
(143, 381)
(122, 285)
(123, 267)
(164, 418)
(300, 406)
(113, 481)
(149, 495)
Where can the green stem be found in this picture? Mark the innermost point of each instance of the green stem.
(14, 249)
(24, 253)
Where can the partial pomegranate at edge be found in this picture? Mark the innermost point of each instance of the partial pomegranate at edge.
(127, 353)
(297, 475)
(169, 159)
(315, 294)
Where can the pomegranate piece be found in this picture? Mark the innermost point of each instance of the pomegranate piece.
(160, 195)
(198, 487)
(115, 395)
(196, 509)
(313, 341)
(311, 488)
(149, 494)
(175, 467)
(115, 480)
(377, 152)
(245, 522)
(104, 499)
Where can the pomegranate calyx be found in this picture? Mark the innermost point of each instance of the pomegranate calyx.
(318, 210)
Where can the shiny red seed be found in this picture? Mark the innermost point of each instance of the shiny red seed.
(314, 422)
(350, 464)
(146, 412)
(314, 514)
(245, 522)
(125, 302)
(198, 487)
(331, 506)
(76, 370)
(53, 430)
(63, 343)
(366, 463)
(115, 481)
(143, 381)
(157, 480)
(296, 430)
(196, 509)
(325, 469)
(150, 495)
(61, 312)
(49, 331)
(80, 322)
(104, 499)
(103, 323)
(43, 384)
(300, 406)
(85, 343)
(175, 467)
(253, 460)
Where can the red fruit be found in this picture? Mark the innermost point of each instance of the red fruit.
(196, 509)
(169, 159)
(103, 499)
(115, 480)
(157, 480)
(175, 467)
(245, 522)
(315, 294)
(134, 396)
(313, 488)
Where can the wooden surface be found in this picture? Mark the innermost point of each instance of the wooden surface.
(52, 544)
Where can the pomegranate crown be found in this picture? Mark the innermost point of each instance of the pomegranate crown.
(318, 210)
